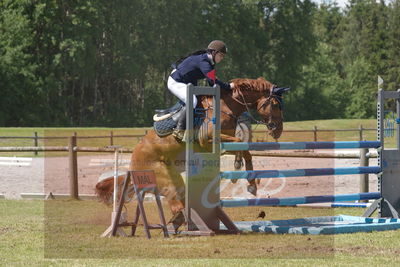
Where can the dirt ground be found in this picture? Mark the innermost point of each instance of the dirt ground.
(50, 174)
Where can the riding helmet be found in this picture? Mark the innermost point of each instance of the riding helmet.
(218, 46)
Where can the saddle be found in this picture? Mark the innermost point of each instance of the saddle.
(165, 120)
(165, 113)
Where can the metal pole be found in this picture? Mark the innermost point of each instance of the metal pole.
(380, 113)
(380, 133)
(397, 121)
(73, 168)
(115, 180)
(364, 178)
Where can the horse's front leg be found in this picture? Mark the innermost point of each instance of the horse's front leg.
(252, 187)
(229, 138)
(238, 154)
(238, 163)
(248, 159)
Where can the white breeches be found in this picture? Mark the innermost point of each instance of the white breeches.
(179, 90)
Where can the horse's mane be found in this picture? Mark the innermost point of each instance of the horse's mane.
(254, 85)
(246, 86)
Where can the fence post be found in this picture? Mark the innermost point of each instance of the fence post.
(361, 132)
(315, 133)
(111, 138)
(364, 178)
(73, 168)
(35, 140)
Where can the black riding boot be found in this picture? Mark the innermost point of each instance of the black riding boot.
(180, 128)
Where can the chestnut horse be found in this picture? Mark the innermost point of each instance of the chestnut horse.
(164, 154)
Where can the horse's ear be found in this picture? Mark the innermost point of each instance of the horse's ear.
(280, 90)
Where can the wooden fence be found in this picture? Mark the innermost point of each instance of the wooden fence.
(359, 131)
(73, 149)
(264, 136)
(36, 148)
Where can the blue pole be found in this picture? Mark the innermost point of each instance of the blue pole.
(292, 201)
(261, 146)
(298, 172)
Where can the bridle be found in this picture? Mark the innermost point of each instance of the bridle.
(265, 101)
(247, 105)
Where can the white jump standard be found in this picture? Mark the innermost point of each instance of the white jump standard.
(203, 205)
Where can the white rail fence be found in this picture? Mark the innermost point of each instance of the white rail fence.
(15, 161)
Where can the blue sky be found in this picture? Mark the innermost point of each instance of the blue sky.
(341, 3)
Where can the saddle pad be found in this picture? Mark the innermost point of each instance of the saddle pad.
(164, 127)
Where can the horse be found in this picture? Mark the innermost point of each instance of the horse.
(164, 154)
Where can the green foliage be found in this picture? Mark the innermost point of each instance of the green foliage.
(394, 44)
(361, 89)
(17, 71)
(321, 90)
(105, 63)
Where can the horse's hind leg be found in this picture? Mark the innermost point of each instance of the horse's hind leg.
(170, 185)
(173, 188)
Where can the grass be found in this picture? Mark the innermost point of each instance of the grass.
(331, 124)
(65, 233)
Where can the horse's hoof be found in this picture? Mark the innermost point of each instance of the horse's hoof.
(252, 189)
(238, 164)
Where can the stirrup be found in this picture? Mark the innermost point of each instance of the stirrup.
(179, 134)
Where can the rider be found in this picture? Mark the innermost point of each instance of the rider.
(189, 69)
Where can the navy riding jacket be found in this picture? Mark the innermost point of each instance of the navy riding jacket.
(197, 67)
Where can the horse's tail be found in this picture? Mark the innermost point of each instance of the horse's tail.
(104, 191)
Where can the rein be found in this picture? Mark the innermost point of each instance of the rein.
(209, 106)
(247, 104)
(244, 103)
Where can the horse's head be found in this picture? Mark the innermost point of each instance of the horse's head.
(266, 98)
(270, 107)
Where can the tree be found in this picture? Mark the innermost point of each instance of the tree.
(19, 101)
(361, 90)
(106, 63)
(393, 75)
